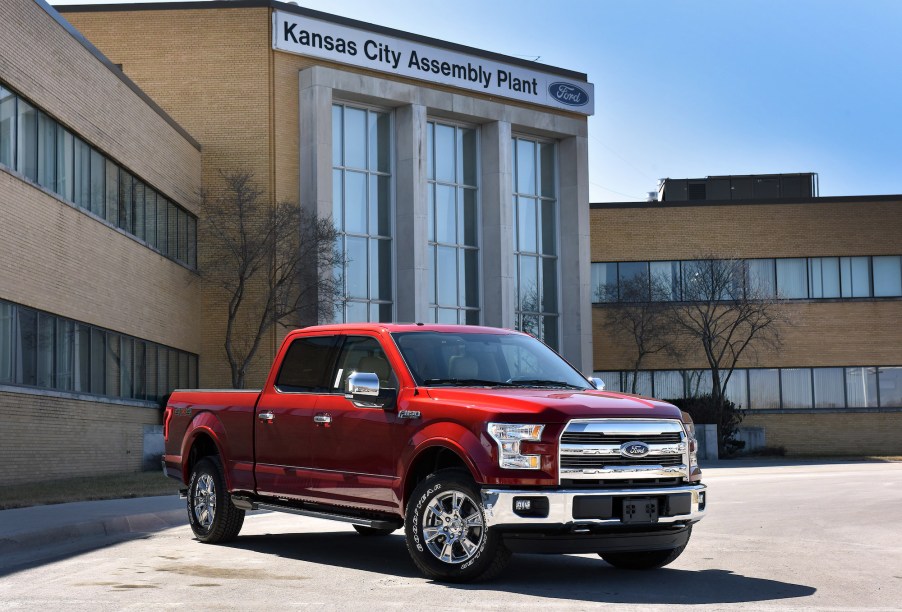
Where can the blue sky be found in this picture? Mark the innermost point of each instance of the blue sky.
(696, 88)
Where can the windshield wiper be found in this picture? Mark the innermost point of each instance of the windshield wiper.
(539, 383)
(465, 382)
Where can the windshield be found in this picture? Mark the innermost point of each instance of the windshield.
(463, 359)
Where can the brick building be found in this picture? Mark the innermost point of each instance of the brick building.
(835, 263)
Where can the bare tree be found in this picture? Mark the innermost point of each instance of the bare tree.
(276, 264)
(729, 313)
(641, 319)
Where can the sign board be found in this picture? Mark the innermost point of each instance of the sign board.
(402, 57)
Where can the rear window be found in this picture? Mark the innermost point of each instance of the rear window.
(307, 365)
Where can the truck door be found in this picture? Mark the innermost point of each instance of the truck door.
(352, 446)
(284, 416)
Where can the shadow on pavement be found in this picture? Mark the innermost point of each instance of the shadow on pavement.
(551, 576)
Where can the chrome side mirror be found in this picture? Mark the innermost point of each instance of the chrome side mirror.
(363, 383)
(597, 383)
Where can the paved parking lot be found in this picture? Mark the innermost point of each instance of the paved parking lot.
(826, 536)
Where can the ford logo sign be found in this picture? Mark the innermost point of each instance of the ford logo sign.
(634, 449)
(569, 94)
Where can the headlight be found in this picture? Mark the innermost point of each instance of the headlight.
(689, 426)
(508, 437)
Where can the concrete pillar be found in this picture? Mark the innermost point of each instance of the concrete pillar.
(315, 121)
(576, 306)
(498, 267)
(411, 215)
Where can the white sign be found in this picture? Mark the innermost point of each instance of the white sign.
(347, 45)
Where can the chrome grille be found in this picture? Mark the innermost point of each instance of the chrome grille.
(590, 450)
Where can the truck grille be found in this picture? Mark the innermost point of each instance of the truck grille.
(590, 451)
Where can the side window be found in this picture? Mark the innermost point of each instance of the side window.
(363, 354)
(307, 365)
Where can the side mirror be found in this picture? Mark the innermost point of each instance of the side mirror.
(597, 383)
(364, 391)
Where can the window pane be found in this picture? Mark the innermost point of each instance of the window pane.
(26, 340)
(356, 268)
(888, 276)
(98, 180)
(469, 282)
(527, 241)
(192, 242)
(46, 332)
(64, 353)
(356, 312)
(642, 383)
(468, 174)
(611, 380)
(98, 361)
(890, 387)
(126, 367)
(337, 139)
(668, 384)
(633, 281)
(27, 141)
(861, 387)
(7, 343)
(445, 214)
(126, 202)
(698, 382)
(182, 218)
(445, 153)
(380, 141)
(696, 277)
(380, 205)
(604, 282)
(526, 166)
(738, 388)
(81, 193)
(82, 359)
(380, 270)
(446, 276)
(139, 210)
(665, 280)
(792, 279)
(528, 285)
(546, 175)
(65, 150)
(46, 152)
(548, 231)
(828, 388)
(823, 277)
(162, 224)
(549, 285)
(162, 371)
(192, 371)
(355, 138)
(856, 276)
(355, 203)
(550, 331)
(7, 127)
(139, 391)
(430, 151)
(183, 370)
(112, 192)
(762, 283)
(470, 216)
(172, 370)
(113, 361)
(173, 230)
(796, 387)
(151, 369)
(764, 389)
(307, 365)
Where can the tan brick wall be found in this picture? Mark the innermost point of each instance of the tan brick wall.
(45, 437)
(44, 63)
(860, 433)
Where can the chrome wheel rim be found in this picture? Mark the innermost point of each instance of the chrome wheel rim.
(204, 501)
(453, 529)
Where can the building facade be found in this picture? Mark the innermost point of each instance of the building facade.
(99, 293)
(834, 264)
(458, 178)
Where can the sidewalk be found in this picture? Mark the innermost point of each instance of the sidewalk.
(22, 529)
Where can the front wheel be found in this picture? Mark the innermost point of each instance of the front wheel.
(446, 533)
(211, 514)
(646, 559)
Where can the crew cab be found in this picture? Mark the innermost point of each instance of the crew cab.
(477, 441)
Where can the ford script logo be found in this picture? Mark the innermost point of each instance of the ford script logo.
(568, 94)
(634, 449)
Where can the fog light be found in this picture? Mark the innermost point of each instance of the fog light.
(532, 507)
(701, 500)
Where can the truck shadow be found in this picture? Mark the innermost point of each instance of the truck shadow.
(551, 576)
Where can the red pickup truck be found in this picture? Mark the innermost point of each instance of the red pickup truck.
(479, 442)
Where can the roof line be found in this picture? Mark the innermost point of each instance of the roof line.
(50, 10)
(346, 21)
(750, 202)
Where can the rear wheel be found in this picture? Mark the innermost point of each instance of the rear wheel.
(646, 559)
(373, 531)
(211, 514)
(446, 531)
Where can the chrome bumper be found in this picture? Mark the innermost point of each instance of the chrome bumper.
(499, 505)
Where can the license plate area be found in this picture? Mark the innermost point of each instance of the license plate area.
(639, 510)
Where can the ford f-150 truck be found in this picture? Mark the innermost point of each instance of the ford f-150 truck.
(479, 442)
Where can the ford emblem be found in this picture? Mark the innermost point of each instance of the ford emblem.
(569, 94)
(634, 449)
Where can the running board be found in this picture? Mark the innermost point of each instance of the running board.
(243, 503)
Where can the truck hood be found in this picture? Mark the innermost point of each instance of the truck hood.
(567, 404)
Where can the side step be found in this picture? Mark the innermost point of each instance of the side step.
(245, 503)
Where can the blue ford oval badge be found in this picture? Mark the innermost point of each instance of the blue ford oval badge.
(634, 449)
(569, 94)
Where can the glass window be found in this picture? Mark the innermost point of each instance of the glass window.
(861, 387)
(98, 361)
(162, 224)
(633, 281)
(138, 210)
(888, 276)
(361, 354)
(150, 217)
(829, 391)
(738, 388)
(669, 384)
(764, 389)
(697, 280)
(81, 359)
(855, 274)
(665, 280)
(362, 208)
(64, 355)
(46, 331)
(152, 372)
(26, 339)
(192, 242)
(643, 383)
(762, 278)
(27, 140)
(126, 367)
(604, 282)
(65, 152)
(81, 193)
(113, 364)
(112, 193)
(792, 278)
(163, 387)
(698, 382)
(126, 201)
(139, 389)
(796, 384)
(7, 128)
(173, 230)
(823, 277)
(890, 380)
(46, 152)
(7, 342)
(98, 184)
(611, 380)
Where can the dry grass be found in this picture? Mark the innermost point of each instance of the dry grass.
(112, 486)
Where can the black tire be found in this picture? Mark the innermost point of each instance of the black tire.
(455, 529)
(646, 559)
(374, 531)
(219, 521)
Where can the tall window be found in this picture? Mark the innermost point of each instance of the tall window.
(452, 165)
(361, 197)
(535, 211)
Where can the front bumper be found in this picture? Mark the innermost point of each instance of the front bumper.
(590, 507)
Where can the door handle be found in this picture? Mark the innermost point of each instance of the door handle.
(325, 419)
(266, 416)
